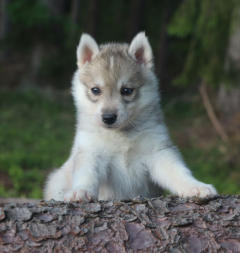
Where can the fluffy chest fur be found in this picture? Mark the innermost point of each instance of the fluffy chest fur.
(122, 160)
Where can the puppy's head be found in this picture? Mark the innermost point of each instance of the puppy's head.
(114, 83)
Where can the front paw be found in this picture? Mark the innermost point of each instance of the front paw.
(77, 195)
(199, 190)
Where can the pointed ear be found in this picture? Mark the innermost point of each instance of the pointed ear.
(141, 50)
(86, 50)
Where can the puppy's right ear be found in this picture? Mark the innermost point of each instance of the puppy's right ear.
(86, 50)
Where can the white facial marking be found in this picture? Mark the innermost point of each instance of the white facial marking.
(111, 62)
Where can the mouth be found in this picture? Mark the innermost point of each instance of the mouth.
(110, 126)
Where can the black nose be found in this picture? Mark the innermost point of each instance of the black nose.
(109, 118)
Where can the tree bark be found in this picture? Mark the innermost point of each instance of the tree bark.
(162, 48)
(56, 6)
(165, 224)
(4, 19)
(136, 17)
(4, 26)
(91, 21)
(75, 7)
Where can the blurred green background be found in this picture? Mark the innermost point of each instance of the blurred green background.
(197, 60)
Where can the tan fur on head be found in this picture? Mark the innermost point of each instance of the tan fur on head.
(112, 67)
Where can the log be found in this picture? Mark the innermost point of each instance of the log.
(164, 224)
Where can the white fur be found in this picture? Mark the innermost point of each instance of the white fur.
(118, 164)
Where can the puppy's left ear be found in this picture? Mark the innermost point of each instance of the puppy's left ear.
(141, 50)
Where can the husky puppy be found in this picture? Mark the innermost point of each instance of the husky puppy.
(122, 148)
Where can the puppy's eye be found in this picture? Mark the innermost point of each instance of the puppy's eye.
(126, 91)
(96, 91)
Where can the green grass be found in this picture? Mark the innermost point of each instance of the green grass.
(37, 129)
(36, 133)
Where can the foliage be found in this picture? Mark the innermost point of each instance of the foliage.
(205, 26)
(30, 21)
(35, 135)
(39, 35)
(196, 42)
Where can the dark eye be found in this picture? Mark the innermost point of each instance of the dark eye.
(96, 91)
(126, 91)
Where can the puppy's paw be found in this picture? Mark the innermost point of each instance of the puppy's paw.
(199, 190)
(77, 195)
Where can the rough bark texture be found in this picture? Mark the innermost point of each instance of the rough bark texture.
(167, 224)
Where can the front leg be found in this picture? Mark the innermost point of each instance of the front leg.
(169, 171)
(85, 178)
